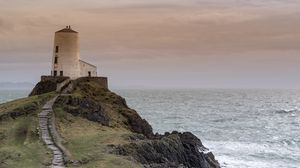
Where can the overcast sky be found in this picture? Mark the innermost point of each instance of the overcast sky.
(159, 43)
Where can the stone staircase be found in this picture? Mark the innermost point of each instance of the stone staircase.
(61, 86)
(47, 130)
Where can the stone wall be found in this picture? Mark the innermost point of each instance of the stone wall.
(100, 80)
(56, 79)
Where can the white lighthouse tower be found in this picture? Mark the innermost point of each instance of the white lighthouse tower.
(66, 56)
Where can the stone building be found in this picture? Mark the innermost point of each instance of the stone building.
(66, 56)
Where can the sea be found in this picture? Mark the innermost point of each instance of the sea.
(244, 128)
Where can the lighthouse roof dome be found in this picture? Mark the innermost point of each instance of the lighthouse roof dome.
(68, 29)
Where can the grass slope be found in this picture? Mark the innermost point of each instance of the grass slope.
(88, 142)
(19, 139)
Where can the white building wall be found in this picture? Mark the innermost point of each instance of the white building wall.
(87, 69)
(67, 54)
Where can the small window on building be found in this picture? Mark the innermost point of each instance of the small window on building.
(89, 73)
(61, 73)
(55, 60)
(54, 73)
(56, 49)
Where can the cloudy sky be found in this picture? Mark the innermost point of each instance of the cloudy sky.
(159, 43)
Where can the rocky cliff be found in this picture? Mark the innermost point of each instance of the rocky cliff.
(100, 130)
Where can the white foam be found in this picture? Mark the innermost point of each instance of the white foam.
(251, 155)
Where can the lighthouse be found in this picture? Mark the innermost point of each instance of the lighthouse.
(66, 56)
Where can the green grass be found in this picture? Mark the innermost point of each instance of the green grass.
(29, 105)
(20, 145)
(97, 93)
(88, 142)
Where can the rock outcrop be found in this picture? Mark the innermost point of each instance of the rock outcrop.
(43, 87)
(170, 150)
(84, 108)
(47, 84)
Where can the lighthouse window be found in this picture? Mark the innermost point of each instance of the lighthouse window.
(56, 49)
(55, 60)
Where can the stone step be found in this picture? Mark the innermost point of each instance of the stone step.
(44, 127)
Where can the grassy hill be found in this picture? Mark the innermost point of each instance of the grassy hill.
(19, 138)
(98, 130)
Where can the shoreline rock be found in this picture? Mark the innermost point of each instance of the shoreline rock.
(178, 150)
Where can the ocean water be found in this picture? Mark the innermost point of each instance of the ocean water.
(9, 95)
(243, 128)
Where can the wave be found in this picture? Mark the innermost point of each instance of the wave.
(287, 111)
(204, 150)
(233, 154)
(225, 120)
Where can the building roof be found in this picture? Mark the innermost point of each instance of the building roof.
(88, 63)
(68, 29)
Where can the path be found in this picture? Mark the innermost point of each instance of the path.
(48, 131)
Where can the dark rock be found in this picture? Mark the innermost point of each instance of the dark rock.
(20, 111)
(137, 137)
(47, 84)
(43, 87)
(171, 150)
(84, 107)
(163, 165)
(2, 136)
(137, 124)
